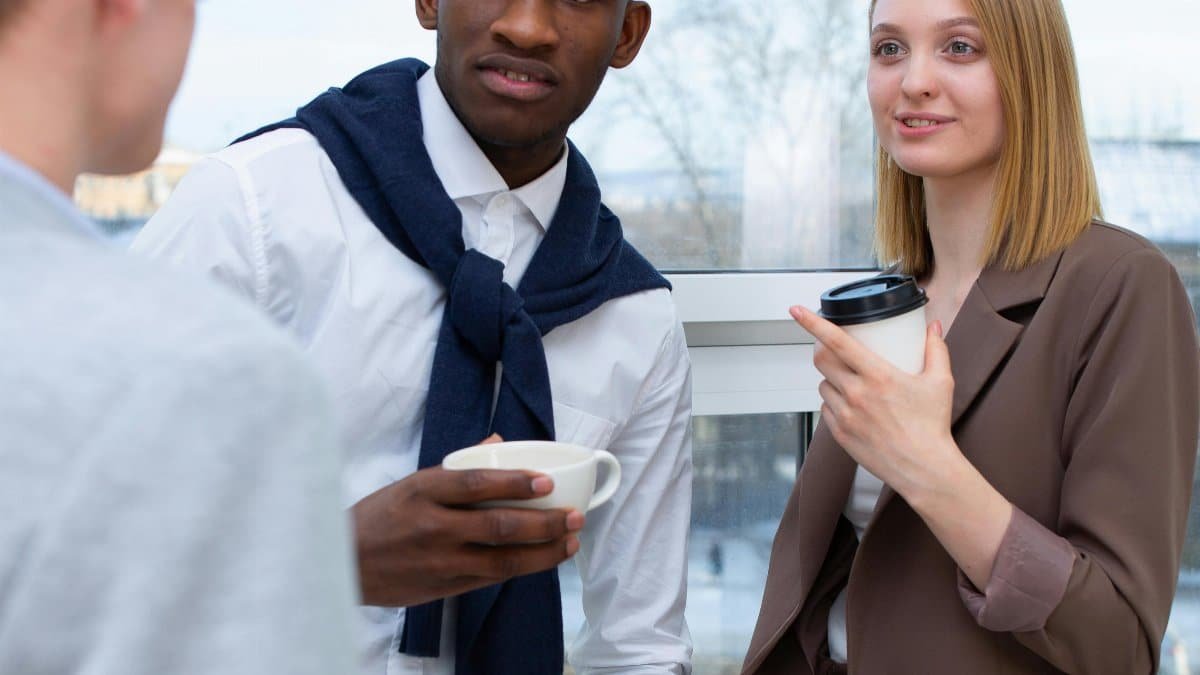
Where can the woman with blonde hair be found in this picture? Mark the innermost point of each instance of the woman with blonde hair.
(1020, 505)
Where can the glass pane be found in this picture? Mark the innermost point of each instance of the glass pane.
(740, 139)
(745, 466)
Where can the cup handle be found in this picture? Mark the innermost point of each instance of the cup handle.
(612, 479)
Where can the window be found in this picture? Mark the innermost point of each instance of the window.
(739, 139)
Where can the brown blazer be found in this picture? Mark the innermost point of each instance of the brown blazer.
(1077, 394)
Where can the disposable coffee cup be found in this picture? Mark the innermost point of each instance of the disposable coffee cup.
(573, 469)
(886, 314)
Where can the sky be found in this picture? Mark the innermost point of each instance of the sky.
(255, 61)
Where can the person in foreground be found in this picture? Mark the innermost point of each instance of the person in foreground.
(168, 461)
(164, 453)
(1019, 506)
(440, 250)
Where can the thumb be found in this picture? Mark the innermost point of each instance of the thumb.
(937, 354)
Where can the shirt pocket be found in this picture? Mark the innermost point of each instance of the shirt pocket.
(572, 425)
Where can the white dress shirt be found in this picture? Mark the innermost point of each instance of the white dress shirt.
(271, 218)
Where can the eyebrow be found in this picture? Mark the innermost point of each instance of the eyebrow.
(941, 25)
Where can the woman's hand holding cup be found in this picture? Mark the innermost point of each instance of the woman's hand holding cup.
(893, 423)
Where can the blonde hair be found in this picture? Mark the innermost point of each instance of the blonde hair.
(1046, 192)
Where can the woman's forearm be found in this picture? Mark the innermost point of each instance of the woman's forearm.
(966, 514)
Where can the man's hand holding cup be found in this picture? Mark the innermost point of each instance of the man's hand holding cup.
(423, 537)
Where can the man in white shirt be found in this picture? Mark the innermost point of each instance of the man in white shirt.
(334, 229)
(168, 460)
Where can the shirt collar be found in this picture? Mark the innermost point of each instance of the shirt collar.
(41, 189)
(466, 172)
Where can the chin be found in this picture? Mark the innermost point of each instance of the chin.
(942, 162)
(931, 167)
(506, 136)
(513, 129)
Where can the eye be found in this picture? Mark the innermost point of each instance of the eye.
(887, 49)
(961, 48)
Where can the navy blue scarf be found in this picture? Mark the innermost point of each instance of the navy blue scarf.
(372, 132)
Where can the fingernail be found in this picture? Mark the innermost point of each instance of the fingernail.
(572, 546)
(937, 328)
(575, 521)
(542, 485)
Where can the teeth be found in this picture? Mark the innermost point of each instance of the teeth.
(915, 123)
(519, 77)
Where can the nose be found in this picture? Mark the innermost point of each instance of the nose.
(528, 25)
(920, 78)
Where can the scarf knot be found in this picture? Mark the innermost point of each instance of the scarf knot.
(481, 305)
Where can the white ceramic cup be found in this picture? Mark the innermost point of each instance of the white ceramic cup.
(573, 469)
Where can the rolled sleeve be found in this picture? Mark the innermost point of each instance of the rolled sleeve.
(1029, 578)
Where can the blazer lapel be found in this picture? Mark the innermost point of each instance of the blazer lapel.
(981, 337)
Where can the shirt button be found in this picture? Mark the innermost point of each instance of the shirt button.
(502, 201)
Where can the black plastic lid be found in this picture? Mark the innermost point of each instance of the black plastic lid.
(873, 299)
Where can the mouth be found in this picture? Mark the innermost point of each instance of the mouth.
(921, 124)
(519, 79)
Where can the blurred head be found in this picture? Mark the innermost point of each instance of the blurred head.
(979, 87)
(519, 72)
(141, 48)
(91, 80)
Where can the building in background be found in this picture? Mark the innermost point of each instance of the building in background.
(122, 204)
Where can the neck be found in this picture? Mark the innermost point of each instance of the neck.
(520, 166)
(958, 214)
(44, 116)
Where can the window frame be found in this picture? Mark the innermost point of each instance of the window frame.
(748, 356)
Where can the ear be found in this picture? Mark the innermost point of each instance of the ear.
(427, 14)
(633, 33)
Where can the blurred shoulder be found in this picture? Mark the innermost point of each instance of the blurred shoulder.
(102, 310)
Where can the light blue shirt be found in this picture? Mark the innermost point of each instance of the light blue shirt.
(54, 199)
(168, 468)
